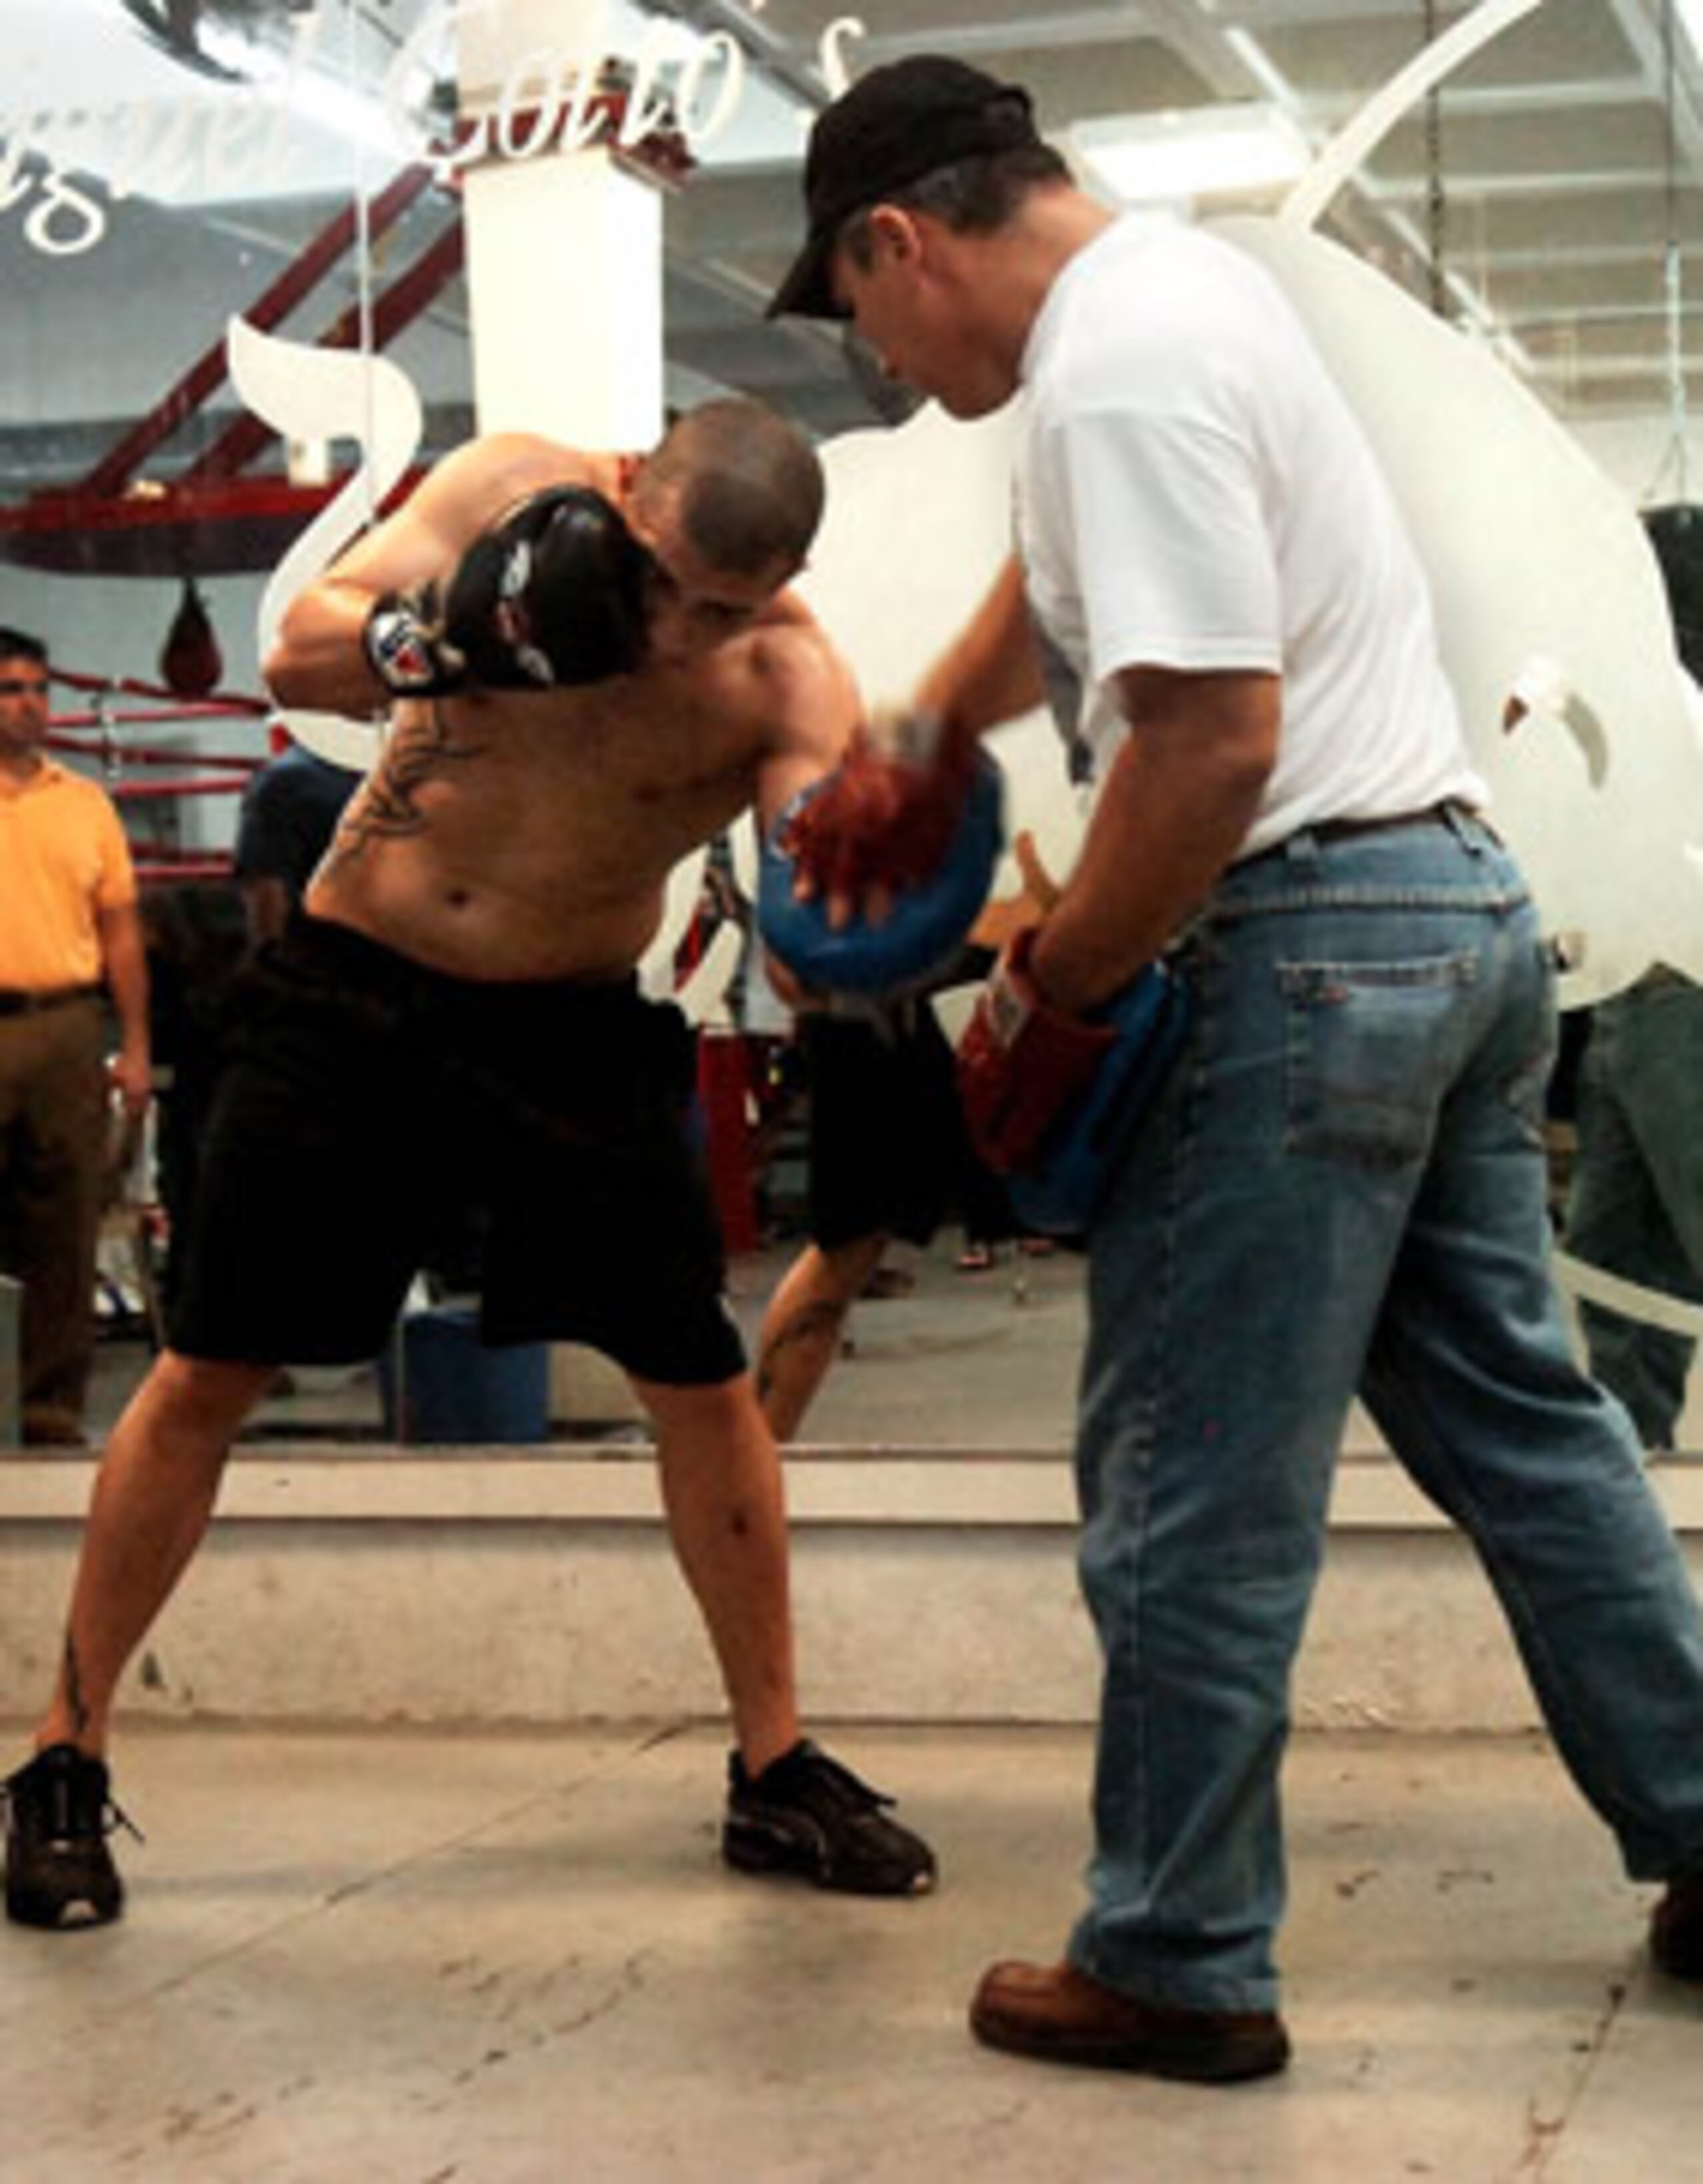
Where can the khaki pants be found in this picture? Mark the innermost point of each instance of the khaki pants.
(53, 1163)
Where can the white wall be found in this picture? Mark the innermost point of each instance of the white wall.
(1640, 454)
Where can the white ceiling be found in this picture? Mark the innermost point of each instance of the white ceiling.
(1561, 161)
(1547, 189)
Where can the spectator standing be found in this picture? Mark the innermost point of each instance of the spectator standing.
(70, 937)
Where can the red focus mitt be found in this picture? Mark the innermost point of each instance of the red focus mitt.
(882, 819)
(1022, 1063)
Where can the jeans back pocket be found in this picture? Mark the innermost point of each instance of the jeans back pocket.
(1369, 1049)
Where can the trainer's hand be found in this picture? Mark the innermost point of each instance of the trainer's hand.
(1022, 1064)
(882, 820)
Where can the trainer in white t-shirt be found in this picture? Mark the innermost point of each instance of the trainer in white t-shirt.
(1194, 493)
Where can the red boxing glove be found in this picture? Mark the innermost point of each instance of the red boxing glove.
(879, 820)
(1022, 1064)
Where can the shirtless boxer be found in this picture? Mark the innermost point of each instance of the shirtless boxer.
(584, 687)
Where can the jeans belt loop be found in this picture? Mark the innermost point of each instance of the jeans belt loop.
(1301, 847)
(1455, 816)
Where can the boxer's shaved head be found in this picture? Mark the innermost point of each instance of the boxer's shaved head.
(745, 485)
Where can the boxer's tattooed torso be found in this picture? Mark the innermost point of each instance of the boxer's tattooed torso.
(424, 750)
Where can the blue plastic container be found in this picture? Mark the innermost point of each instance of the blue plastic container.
(454, 1389)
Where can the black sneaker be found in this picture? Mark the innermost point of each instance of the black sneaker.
(60, 1813)
(807, 1814)
(1676, 1930)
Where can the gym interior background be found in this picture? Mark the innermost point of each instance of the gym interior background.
(313, 168)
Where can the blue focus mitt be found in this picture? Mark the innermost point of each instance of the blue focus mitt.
(929, 919)
(1058, 1191)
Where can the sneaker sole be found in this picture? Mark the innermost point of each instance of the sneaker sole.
(72, 1914)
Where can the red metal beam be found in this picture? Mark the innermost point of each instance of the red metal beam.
(303, 274)
(400, 304)
(240, 524)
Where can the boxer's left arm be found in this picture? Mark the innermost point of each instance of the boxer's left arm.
(813, 706)
(814, 709)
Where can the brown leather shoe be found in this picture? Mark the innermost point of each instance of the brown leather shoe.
(1061, 2015)
(1676, 1930)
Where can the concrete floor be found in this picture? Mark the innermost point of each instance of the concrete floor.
(499, 1957)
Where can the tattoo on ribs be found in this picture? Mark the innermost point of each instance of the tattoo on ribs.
(420, 752)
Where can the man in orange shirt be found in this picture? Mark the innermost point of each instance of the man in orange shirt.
(70, 933)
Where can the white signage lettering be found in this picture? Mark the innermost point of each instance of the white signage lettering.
(239, 137)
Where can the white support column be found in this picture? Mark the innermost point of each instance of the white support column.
(564, 246)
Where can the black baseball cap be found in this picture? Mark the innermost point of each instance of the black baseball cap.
(893, 127)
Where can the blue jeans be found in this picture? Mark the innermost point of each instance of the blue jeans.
(1636, 1205)
(1342, 1187)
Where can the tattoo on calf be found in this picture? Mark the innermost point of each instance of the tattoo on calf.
(809, 1325)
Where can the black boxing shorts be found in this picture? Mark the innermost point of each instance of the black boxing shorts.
(887, 1148)
(377, 1119)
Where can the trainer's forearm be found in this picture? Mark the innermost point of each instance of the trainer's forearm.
(1175, 809)
(992, 672)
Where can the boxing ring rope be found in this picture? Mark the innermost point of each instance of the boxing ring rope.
(144, 754)
(216, 704)
(87, 732)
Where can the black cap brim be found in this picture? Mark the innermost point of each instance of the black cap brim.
(808, 291)
(893, 127)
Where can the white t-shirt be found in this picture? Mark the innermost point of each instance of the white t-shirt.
(1194, 493)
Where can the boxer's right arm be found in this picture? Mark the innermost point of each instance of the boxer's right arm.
(320, 658)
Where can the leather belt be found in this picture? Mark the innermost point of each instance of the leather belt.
(14, 1004)
(1442, 814)
(1448, 812)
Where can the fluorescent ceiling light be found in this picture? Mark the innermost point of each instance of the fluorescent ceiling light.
(1690, 14)
(1208, 151)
